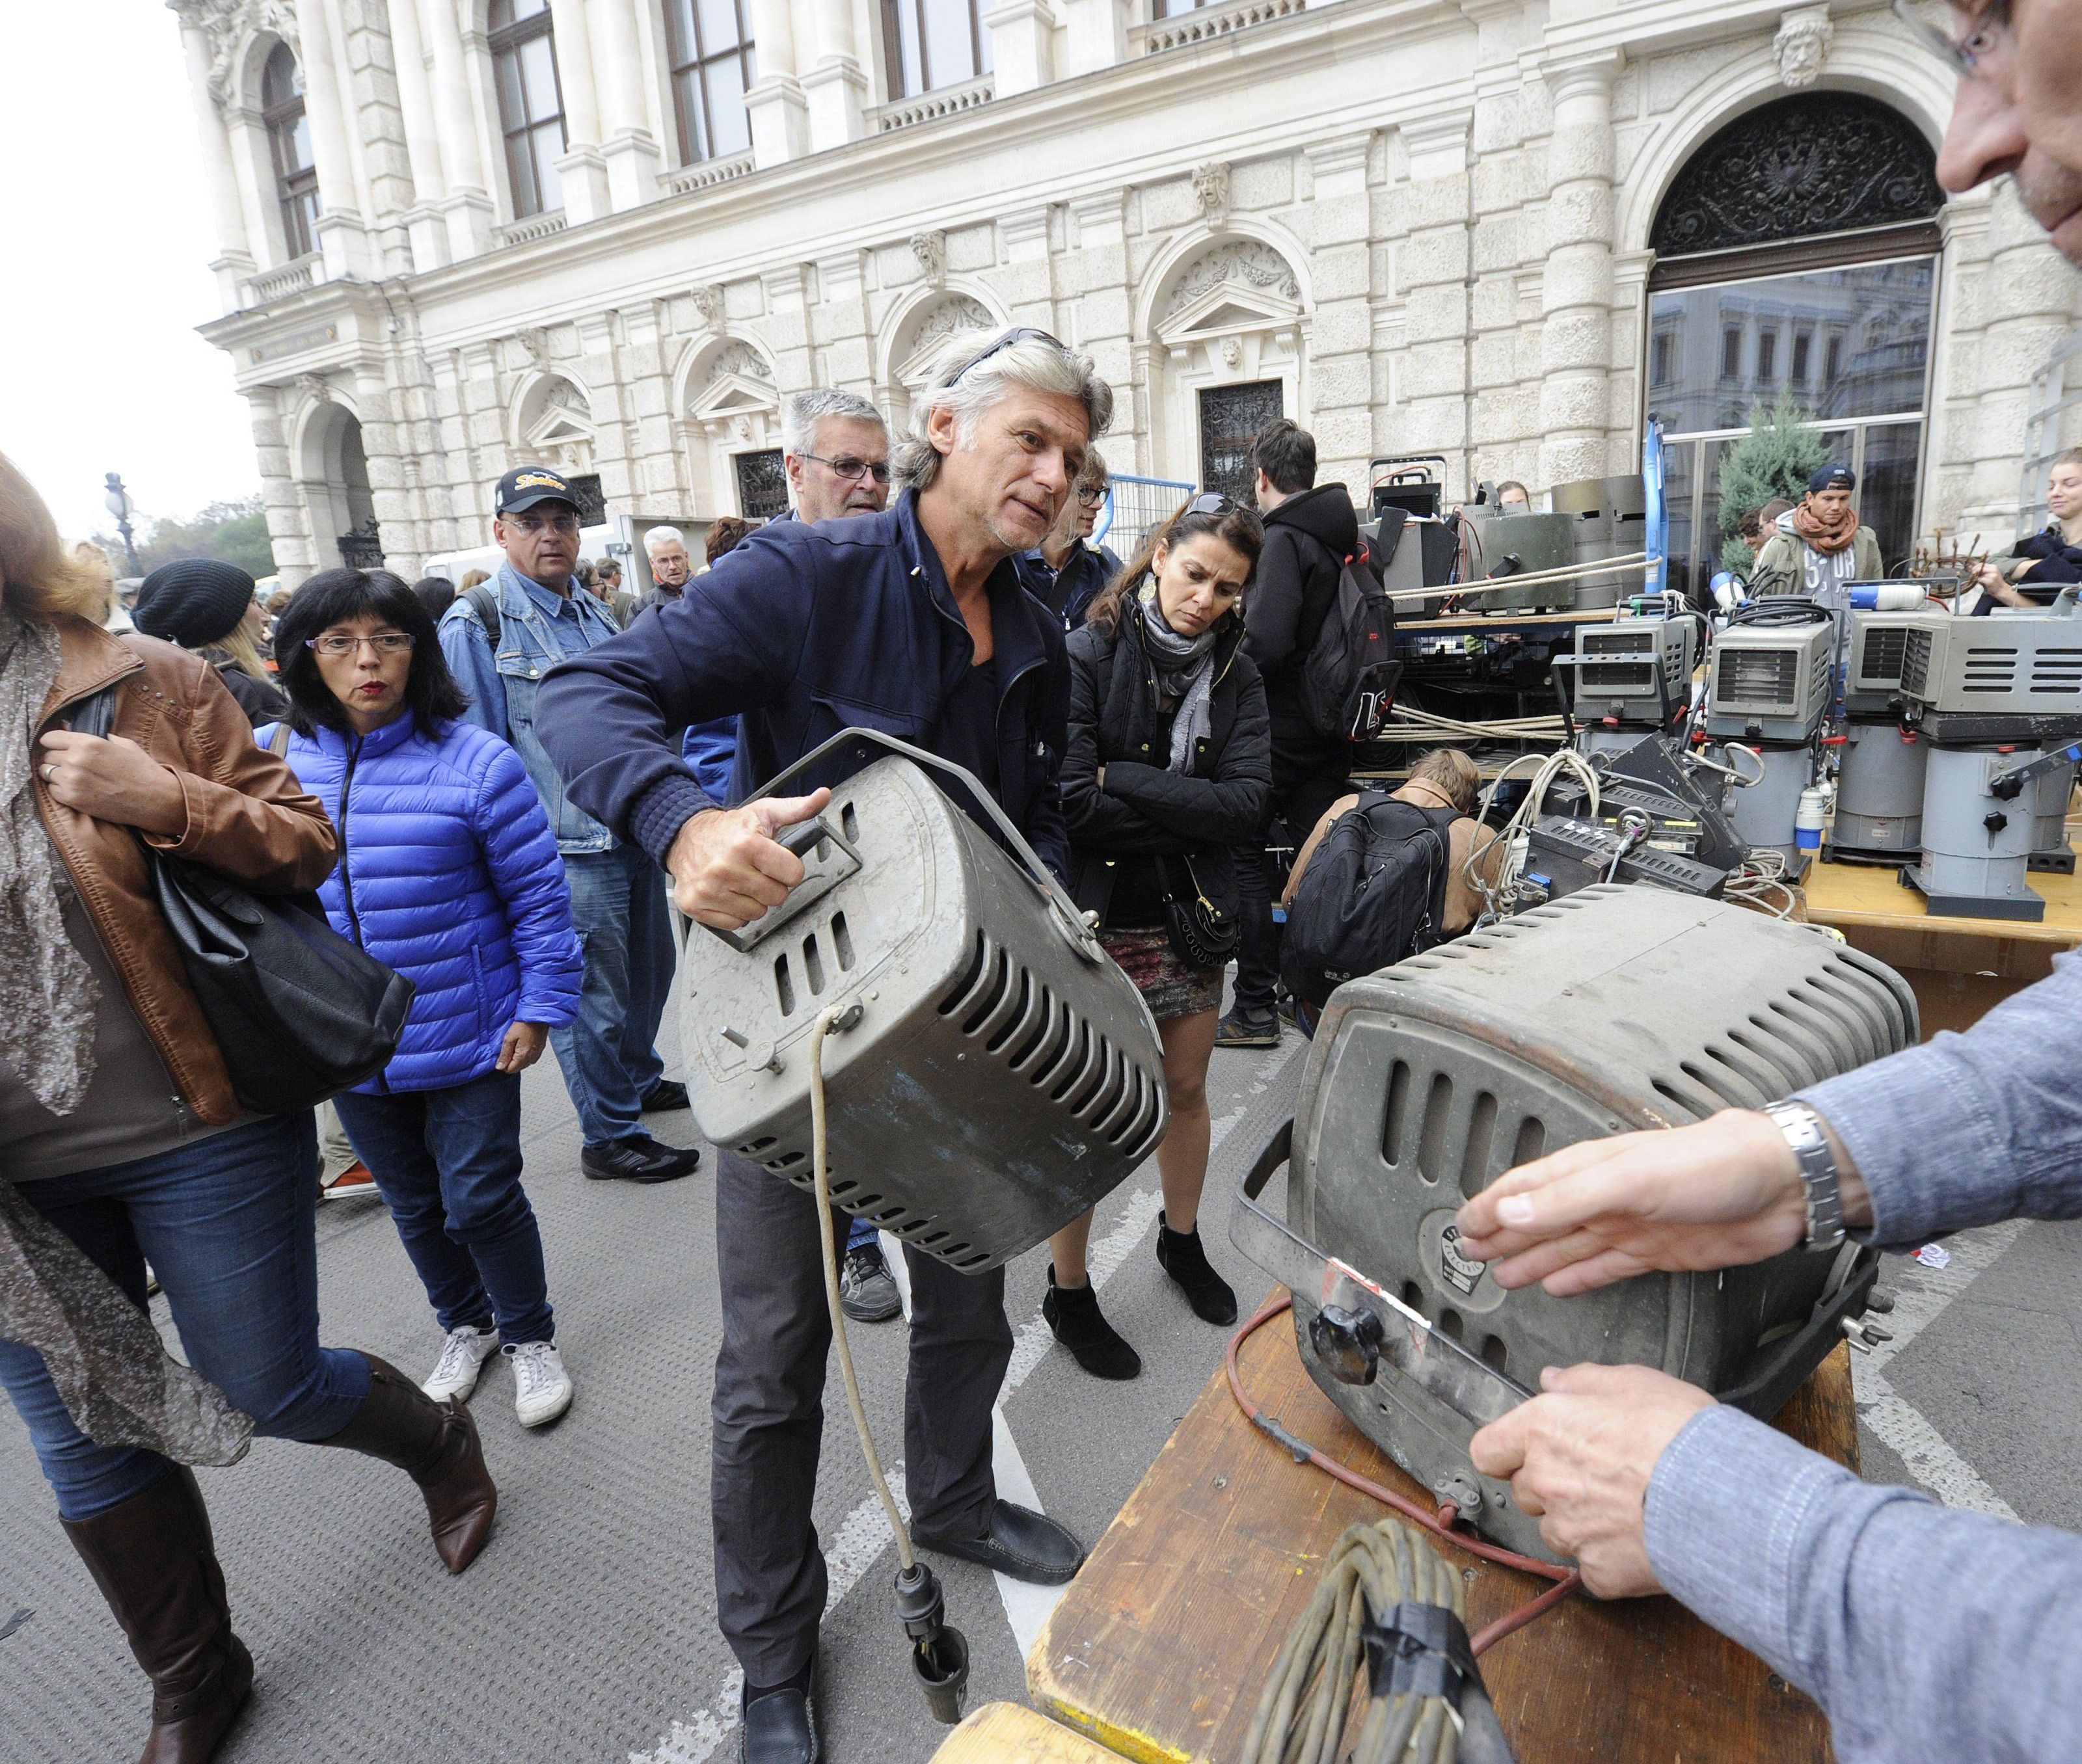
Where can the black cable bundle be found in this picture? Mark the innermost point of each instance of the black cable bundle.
(1775, 609)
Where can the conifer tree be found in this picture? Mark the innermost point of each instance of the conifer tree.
(1776, 458)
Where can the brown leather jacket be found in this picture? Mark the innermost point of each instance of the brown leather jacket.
(248, 818)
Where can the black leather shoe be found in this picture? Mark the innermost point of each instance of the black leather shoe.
(1028, 1545)
(1075, 1319)
(781, 1725)
(1180, 1255)
(637, 1159)
(667, 1093)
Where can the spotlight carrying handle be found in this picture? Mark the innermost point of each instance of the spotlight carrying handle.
(1069, 921)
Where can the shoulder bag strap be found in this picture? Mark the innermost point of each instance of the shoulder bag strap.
(485, 604)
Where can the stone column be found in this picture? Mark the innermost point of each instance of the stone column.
(1095, 35)
(836, 89)
(630, 147)
(1339, 357)
(1105, 319)
(342, 236)
(467, 209)
(1434, 262)
(1023, 45)
(1576, 287)
(424, 220)
(234, 258)
(583, 169)
(779, 112)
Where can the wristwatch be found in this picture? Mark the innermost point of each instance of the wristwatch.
(1803, 1128)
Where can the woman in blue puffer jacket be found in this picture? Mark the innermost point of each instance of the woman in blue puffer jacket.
(448, 872)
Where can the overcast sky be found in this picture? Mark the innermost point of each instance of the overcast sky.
(109, 238)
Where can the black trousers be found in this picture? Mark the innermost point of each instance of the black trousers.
(1303, 785)
(768, 1412)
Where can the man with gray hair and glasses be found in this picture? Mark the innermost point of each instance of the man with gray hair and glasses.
(1926, 1634)
(835, 449)
(912, 619)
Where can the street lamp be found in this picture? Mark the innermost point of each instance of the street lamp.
(117, 502)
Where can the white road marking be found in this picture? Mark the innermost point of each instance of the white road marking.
(1921, 1296)
(864, 1534)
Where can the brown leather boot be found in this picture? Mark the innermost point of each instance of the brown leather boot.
(435, 1445)
(153, 1559)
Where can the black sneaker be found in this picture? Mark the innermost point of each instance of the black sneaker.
(1248, 1029)
(637, 1159)
(867, 1290)
(667, 1093)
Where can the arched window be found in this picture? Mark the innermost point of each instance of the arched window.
(289, 142)
(1795, 259)
(934, 43)
(713, 67)
(531, 105)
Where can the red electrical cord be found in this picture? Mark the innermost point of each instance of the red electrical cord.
(1441, 1523)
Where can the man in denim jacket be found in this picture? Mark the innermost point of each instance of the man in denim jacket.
(609, 1053)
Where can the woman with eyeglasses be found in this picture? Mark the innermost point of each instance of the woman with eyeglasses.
(1169, 766)
(449, 873)
(1066, 572)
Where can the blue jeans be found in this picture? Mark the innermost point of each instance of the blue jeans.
(859, 1232)
(609, 1053)
(228, 1224)
(448, 1161)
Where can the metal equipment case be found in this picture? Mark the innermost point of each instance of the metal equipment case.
(1501, 546)
(1633, 671)
(1004, 1074)
(1770, 682)
(1614, 1009)
(1874, 656)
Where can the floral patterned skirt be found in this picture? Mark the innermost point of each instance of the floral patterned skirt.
(1170, 988)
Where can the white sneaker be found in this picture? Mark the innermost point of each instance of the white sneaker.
(542, 1387)
(463, 1354)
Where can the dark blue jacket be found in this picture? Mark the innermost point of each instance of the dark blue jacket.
(803, 631)
(448, 872)
(1068, 592)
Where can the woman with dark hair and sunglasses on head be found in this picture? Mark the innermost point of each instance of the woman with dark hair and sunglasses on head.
(449, 873)
(1169, 766)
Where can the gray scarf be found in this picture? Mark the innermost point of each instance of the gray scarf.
(1186, 674)
(112, 1372)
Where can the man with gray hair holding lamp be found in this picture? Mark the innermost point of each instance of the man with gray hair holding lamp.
(913, 619)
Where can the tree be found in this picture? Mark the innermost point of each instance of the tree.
(230, 532)
(1776, 459)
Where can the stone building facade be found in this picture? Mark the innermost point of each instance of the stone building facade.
(455, 234)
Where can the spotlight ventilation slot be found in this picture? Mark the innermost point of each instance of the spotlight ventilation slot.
(1915, 665)
(1759, 677)
(1989, 668)
(1881, 656)
(2057, 672)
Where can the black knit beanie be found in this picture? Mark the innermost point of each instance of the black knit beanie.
(194, 602)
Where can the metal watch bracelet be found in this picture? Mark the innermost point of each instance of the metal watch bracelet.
(1803, 1128)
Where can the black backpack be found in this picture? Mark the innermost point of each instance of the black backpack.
(1374, 892)
(1349, 677)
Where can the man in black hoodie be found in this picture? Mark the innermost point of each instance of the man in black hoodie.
(1310, 529)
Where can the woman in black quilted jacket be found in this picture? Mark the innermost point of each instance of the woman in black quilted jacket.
(1169, 767)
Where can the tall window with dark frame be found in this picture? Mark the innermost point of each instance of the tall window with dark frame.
(289, 140)
(531, 104)
(714, 66)
(934, 43)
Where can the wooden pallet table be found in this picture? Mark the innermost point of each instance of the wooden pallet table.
(1161, 1646)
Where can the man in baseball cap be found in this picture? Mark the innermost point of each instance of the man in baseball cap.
(500, 638)
(1818, 544)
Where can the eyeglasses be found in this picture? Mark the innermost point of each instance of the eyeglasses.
(1967, 53)
(531, 524)
(1091, 496)
(1212, 501)
(383, 642)
(845, 466)
(1021, 333)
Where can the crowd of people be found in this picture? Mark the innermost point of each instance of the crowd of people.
(502, 789)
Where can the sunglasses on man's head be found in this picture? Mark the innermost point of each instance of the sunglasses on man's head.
(1022, 334)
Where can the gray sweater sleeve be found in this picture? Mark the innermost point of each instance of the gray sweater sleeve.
(1925, 1633)
(1928, 1636)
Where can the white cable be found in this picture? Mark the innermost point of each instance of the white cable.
(1551, 766)
(1528, 578)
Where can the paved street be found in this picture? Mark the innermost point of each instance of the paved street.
(585, 1634)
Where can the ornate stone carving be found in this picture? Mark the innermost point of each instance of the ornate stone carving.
(1249, 262)
(930, 249)
(563, 396)
(708, 302)
(1211, 190)
(535, 341)
(739, 358)
(1231, 352)
(314, 386)
(229, 23)
(1822, 162)
(944, 318)
(1803, 45)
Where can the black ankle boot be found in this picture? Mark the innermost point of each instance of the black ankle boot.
(1179, 1255)
(1073, 1314)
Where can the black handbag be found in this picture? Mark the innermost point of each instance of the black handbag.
(299, 1013)
(1202, 936)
